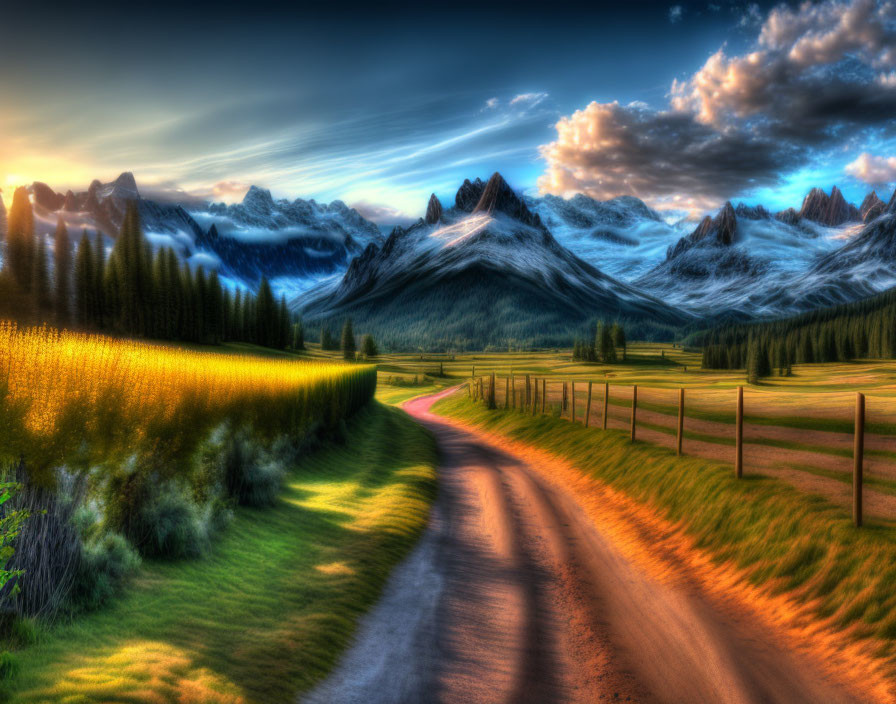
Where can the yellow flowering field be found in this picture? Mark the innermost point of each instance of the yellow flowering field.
(68, 397)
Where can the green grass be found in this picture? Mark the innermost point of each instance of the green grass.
(783, 539)
(267, 614)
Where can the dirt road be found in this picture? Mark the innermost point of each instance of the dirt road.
(515, 595)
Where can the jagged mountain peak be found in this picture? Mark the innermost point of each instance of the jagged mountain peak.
(498, 196)
(468, 195)
(891, 206)
(720, 230)
(259, 199)
(433, 210)
(872, 206)
(830, 210)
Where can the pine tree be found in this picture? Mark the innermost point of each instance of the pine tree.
(605, 344)
(618, 335)
(327, 341)
(62, 257)
(85, 283)
(368, 347)
(20, 245)
(99, 303)
(348, 340)
(298, 336)
(266, 315)
(43, 295)
(284, 327)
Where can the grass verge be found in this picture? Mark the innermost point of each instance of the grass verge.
(267, 614)
(783, 540)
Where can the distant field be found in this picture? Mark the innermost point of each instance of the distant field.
(798, 428)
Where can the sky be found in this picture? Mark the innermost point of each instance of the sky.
(683, 104)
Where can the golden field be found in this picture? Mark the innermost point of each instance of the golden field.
(73, 398)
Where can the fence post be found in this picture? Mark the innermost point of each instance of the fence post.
(588, 407)
(606, 401)
(528, 392)
(544, 394)
(565, 403)
(573, 402)
(739, 435)
(858, 453)
(512, 390)
(680, 417)
(506, 393)
(492, 404)
(634, 408)
(535, 396)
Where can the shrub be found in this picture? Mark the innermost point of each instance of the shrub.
(171, 524)
(253, 477)
(9, 666)
(48, 548)
(107, 561)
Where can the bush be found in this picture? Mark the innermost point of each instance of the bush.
(253, 477)
(160, 517)
(9, 666)
(107, 561)
(171, 524)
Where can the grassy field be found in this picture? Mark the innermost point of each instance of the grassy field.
(266, 614)
(782, 540)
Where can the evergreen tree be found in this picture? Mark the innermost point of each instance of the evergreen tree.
(85, 283)
(327, 341)
(298, 336)
(284, 328)
(368, 347)
(99, 304)
(62, 257)
(618, 335)
(605, 344)
(348, 340)
(43, 296)
(267, 318)
(20, 245)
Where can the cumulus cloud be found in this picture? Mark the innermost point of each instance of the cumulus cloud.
(874, 170)
(814, 75)
(675, 13)
(607, 149)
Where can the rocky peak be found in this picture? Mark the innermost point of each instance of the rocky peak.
(752, 212)
(498, 196)
(71, 202)
(830, 210)
(468, 195)
(46, 197)
(433, 210)
(259, 200)
(871, 207)
(891, 206)
(718, 231)
(2, 218)
(124, 187)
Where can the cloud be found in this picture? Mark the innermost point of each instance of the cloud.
(528, 100)
(229, 191)
(752, 16)
(608, 149)
(675, 13)
(874, 170)
(383, 214)
(815, 78)
(491, 104)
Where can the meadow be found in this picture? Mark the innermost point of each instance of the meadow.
(204, 526)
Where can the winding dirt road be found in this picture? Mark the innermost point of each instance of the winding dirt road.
(514, 594)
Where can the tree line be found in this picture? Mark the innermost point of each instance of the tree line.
(131, 291)
(601, 344)
(860, 330)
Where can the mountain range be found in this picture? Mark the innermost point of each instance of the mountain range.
(495, 265)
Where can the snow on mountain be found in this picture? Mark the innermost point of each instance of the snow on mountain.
(731, 263)
(622, 236)
(487, 269)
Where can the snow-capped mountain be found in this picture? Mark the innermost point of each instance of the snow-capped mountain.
(736, 261)
(486, 269)
(622, 236)
(296, 243)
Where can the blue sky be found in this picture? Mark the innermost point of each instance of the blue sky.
(381, 104)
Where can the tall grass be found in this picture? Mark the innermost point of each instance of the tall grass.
(84, 400)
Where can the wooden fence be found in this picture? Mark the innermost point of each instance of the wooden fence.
(532, 396)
